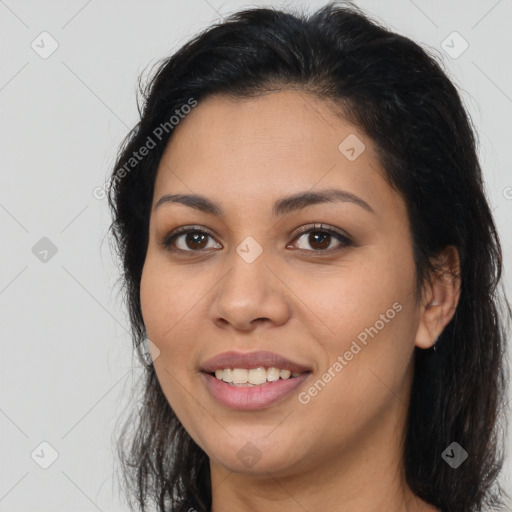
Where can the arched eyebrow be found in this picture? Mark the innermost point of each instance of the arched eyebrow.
(282, 206)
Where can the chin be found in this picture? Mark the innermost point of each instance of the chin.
(256, 456)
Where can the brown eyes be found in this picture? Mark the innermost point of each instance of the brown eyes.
(193, 239)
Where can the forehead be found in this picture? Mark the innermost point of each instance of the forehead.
(289, 120)
(285, 141)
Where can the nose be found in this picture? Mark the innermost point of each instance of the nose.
(250, 294)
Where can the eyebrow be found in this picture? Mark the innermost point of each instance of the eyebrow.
(282, 206)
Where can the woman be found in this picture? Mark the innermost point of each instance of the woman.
(311, 261)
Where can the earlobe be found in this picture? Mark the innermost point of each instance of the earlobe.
(440, 299)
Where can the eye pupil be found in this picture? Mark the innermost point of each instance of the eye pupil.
(193, 237)
(323, 236)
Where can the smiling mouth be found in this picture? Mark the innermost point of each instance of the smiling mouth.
(252, 380)
(244, 377)
(249, 396)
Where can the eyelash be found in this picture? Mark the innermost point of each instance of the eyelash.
(345, 241)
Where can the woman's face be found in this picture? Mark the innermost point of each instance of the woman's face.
(341, 309)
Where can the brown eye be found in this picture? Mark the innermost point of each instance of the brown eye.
(195, 240)
(187, 240)
(320, 239)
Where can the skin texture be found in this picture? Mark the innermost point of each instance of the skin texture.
(341, 450)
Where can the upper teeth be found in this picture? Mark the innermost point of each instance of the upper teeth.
(253, 376)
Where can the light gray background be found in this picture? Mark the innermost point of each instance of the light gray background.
(66, 361)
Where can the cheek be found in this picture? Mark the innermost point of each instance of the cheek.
(153, 300)
(369, 359)
(364, 293)
(166, 300)
(173, 308)
(167, 316)
(368, 314)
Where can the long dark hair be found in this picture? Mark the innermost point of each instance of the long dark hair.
(400, 96)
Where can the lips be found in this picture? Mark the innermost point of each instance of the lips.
(253, 398)
(249, 360)
(248, 396)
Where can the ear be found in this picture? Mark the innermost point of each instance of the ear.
(440, 298)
